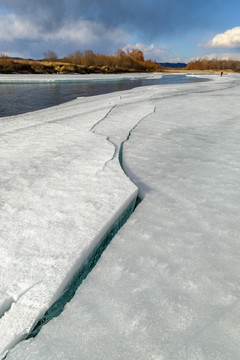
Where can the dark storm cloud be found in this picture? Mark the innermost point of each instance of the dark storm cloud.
(49, 13)
(151, 17)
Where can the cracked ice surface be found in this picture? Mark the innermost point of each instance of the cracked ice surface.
(168, 285)
(60, 193)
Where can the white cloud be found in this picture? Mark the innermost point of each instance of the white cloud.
(86, 33)
(230, 39)
(223, 56)
(83, 33)
(157, 53)
(13, 27)
(14, 53)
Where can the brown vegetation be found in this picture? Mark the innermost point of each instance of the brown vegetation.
(8, 66)
(78, 62)
(123, 61)
(50, 55)
(214, 64)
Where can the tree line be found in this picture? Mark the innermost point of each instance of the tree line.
(214, 64)
(81, 62)
(123, 60)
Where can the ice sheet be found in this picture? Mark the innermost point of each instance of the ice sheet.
(51, 78)
(168, 285)
(62, 189)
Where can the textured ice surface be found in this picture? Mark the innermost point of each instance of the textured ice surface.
(168, 285)
(43, 78)
(62, 188)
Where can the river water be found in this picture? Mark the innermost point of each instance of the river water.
(17, 98)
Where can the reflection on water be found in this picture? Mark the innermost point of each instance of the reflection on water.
(21, 98)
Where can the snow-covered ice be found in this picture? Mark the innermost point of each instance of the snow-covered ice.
(54, 78)
(168, 286)
(61, 189)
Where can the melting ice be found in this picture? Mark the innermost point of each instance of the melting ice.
(167, 287)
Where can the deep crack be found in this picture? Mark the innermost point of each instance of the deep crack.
(56, 309)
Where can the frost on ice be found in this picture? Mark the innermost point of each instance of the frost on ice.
(167, 287)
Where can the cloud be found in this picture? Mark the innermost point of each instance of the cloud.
(13, 27)
(230, 39)
(81, 34)
(223, 56)
(157, 53)
(48, 13)
(13, 53)
(101, 25)
(151, 18)
(86, 33)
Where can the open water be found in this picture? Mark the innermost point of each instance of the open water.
(19, 98)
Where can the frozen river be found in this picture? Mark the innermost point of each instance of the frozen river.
(24, 93)
(167, 286)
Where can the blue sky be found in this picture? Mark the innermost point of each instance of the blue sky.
(165, 30)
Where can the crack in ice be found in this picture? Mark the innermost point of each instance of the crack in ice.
(58, 120)
(114, 154)
(59, 305)
(104, 118)
(69, 292)
(13, 300)
(129, 135)
(7, 307)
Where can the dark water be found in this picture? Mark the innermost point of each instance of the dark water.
(21, 98)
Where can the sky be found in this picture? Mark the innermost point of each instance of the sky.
(165, 30)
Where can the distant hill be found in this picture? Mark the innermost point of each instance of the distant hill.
(19, 58)
(173, 65)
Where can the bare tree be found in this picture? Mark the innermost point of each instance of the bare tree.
(50, 55)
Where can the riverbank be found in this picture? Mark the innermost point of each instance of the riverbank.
(22, 66)
(203, 72)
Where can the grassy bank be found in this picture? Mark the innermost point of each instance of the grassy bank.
(68, 65)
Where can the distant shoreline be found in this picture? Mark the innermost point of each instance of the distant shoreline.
(100, 64)
(22, 66)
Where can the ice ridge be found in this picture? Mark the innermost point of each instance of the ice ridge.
(56, 309)
(58, 153)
